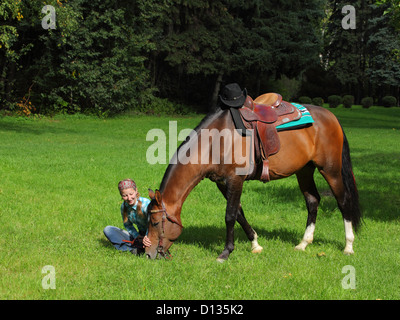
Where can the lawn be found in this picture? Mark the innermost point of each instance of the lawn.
(58, 190)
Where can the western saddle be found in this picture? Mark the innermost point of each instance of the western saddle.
(263, 115)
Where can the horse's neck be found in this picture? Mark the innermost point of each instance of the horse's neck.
(178, 185)
(180, 178)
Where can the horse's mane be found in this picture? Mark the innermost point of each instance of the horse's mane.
(209, 118)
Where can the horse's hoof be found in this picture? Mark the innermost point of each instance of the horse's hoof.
(299, 248)
(302, 245)
(348, 252)
(221, 260)
(257, 249)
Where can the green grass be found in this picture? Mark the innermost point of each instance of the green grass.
(58, 190)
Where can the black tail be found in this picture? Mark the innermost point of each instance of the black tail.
(351, 204)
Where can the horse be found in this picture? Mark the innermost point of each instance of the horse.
(322, 146)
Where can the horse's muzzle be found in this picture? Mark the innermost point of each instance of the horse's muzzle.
(151, 254)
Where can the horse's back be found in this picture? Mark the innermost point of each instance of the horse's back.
(318, 143)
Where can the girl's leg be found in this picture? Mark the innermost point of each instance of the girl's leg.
(116, 235)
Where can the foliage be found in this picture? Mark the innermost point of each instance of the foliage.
(389, 101)
(158, 106)
(103, 70)
(305, 100)
(366, 58)
(392, 7)
(106, 57)
(318, 101)
(288, 88)
(383, 47)
(348, 101)
(367, 102)
(334, 101)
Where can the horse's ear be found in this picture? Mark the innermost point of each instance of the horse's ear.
(151, 194)
(158, 197)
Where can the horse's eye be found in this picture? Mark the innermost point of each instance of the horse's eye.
(155, 224)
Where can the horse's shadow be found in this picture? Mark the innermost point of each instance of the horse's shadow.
(213, 238)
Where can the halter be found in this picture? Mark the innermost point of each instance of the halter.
(160, 246)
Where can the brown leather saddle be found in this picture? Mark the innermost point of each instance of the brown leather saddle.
(263, 115)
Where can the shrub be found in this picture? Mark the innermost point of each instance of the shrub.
(305, 100)
(318, 101)
(334, 101)
(367, 102)
(161, 106)
(389, 101)
(348, 101)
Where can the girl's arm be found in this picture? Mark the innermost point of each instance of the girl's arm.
(131, 229)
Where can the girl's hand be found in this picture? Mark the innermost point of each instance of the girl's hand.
(146, 241)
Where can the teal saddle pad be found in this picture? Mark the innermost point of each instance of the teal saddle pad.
(305, 120)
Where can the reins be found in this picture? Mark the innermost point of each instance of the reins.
(166, 216)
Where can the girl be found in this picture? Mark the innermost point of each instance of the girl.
(133, 211)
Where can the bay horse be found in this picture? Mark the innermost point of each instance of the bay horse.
(322, 146)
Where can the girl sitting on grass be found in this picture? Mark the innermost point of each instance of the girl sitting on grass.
(133, 211)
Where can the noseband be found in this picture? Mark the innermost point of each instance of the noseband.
(160, 246)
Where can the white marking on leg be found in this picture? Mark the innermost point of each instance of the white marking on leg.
(255, 247)
(308, 237)
(348, 228)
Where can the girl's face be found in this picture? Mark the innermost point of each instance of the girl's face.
(129, 196)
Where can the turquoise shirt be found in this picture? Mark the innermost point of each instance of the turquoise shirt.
(133, 218)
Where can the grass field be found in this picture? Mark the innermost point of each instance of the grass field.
(58, 190)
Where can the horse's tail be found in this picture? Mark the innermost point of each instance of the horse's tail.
(351, 199)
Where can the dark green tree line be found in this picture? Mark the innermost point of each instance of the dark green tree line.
(107, 56)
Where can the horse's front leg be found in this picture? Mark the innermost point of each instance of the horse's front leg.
(233, 193)
(250, 233)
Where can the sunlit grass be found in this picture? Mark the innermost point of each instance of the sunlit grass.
(58, 191)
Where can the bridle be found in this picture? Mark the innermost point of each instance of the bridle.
(165, 217)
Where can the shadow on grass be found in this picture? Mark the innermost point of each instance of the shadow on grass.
(372, 119)
(30, 127)
(105, 243)
(213, 238)
(378, 184)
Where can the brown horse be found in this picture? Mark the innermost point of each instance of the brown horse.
(323, 146)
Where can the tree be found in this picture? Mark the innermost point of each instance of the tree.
(384, 53)
(392, 7)
(242, 41)
(366, 58)
(10, 53)
(99, 66)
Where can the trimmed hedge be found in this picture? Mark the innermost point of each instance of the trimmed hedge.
(389, 101)
(318, 101)
(305, 100)
(367, 102)
(348, 101)
(334, 101)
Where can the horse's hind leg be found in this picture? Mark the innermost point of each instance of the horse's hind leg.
(338, 190)
(305, 178)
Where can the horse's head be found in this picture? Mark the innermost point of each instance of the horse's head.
(164, 227)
